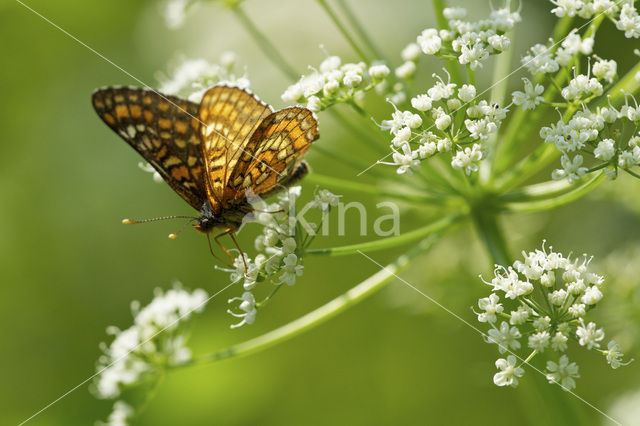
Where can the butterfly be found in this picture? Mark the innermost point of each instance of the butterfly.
(215, 154)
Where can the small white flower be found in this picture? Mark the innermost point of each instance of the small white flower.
(314, 103)
(441, 91)
(542, 323)
(539, 341)
(429, 41)
(175, 13)
(290, 270)
(559, 342)
(577, 310)
(421, 102)
(629, 21)
(454, 13)
(605, 70)
(589, 336)
(606, 150)
(248, 306)
(614, 355)
(330, 63)
(540, 60)
(519, 316)
(410, 52)
(406, 70)
(557, 297)
(505, 337)
(293, 93)
(413, 121)
(467, 159)
(467, 93)
(591, 296)
(509, 373)
(491, 307)
(499, 43)
(379, 72)
(407, 160)
(324, 199)
(530, 98)
(473, 56)
(120, 415)
(563, 373)
(443, 121)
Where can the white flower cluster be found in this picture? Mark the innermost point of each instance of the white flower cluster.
(543, 59)
(431, 128)
(541, 302)
(622, 12)
(282, 243)
(334, 82)
(119, 416)
(470, 42)
(599, 134)
(155, 340)
(192, 77)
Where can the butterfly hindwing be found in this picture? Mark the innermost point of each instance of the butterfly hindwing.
(229, 117)
(274, 153)
(165, 130)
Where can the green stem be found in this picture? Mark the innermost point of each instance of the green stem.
(389, 242)
(554, 202)
(521, 122)
(343, 30)
(443, 24)
(320, 315)
(540, 191)
(498, 93)
(491, 234)
(269, 50)
(363, 188)
(364, 36)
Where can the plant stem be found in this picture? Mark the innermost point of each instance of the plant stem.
(320, 315)
(363, 188)
(443, 24)
(557, 201)
(343, 30)
(498, 93)
(270, 51)
(364, 36)
(389, 242)
(491, 234)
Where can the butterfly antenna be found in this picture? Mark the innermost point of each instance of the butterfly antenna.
(135, 221)
(175, 235)
(155, 219)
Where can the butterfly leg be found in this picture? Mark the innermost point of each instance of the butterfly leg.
(214, 255)
(230, 232)
(241, 252)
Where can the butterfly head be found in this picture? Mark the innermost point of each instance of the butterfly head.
(207, 220)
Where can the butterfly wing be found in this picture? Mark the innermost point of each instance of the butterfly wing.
(229, 117)
(164, 130)
(274, 153)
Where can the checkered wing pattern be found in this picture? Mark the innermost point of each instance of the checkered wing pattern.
(165, 130)
(229, 117)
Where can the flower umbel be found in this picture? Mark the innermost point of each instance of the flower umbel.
(155, 341)
(545, 297)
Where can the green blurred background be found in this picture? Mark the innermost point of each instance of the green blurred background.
(69, 268)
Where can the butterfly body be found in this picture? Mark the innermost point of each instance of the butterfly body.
(216, 153)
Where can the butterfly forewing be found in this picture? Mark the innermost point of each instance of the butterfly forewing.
(273, 153)
(229, 117)
(165, 130)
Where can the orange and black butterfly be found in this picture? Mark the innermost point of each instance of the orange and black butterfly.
(213, 154)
